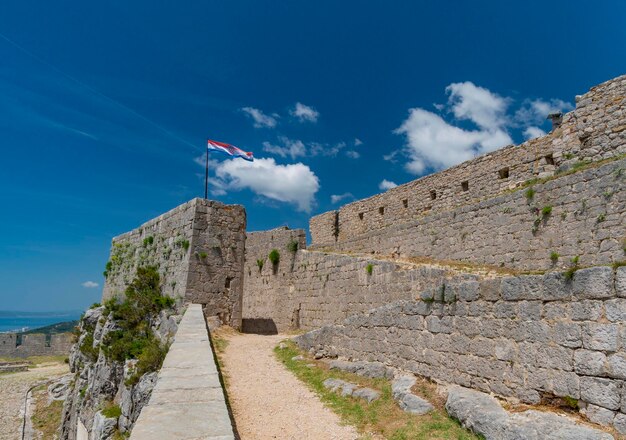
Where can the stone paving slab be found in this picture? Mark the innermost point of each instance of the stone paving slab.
(188, 400)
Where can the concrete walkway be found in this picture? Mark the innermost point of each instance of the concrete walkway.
(188, 401)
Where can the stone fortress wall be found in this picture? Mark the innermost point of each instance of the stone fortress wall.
(198, 248)
(595, 130)
(530, 336)
(35, 344)
(372, 287)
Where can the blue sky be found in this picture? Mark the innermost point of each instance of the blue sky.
(104, 109)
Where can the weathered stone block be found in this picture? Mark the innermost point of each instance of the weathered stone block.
(506, 309)
(529, 310)
(565, 384)
(550, 356)
(620, 282)
(586, 310)
(506, 350)
(490, 289)
(589, 363)
(617, 365)
(568, 334)
(602, 392)
(619, 423)
(523, 287)
(593, 283)
(599, 415)
(616, 309)
(600, 336)
(556, 287)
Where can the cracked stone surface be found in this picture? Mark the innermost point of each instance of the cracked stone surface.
(484, 415)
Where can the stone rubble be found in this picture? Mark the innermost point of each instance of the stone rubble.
(409, 402)
(350, 389)
(484, 415)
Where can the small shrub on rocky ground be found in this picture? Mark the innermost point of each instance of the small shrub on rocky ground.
(134, 316)
(111, 410)
(382, 418)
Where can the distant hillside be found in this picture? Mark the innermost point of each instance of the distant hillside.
(60, 327)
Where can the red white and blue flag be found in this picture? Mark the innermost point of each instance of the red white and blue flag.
(231, 150)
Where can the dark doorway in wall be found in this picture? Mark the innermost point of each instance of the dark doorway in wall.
(259, 326)
(465, 185)
(549, 159)
(504, 173)
(405, 203)
(433, 194)
(381, 210)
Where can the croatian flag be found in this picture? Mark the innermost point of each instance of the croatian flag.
(231, 150)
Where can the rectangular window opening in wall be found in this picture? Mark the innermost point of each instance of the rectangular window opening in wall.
(549, 159)
(504, 173)
(360, 216)
(465, 185)
(433, 194)
(405, 203)
(381, 210)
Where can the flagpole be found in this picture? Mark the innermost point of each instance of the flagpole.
(206, 175)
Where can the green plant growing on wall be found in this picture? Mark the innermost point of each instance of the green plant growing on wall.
(202, 255)
(260, 263)
(546, 211)
(554, 257)
(292, 246)
(183, 243)
(369, 269)
(274, 257)
(148, 241)
(107, 268)
(530, 193)
(569, 273)
(601, 217)
(133, 338)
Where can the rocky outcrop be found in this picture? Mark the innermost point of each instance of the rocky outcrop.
(99, 381)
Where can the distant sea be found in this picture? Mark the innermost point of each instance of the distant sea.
(22, 321)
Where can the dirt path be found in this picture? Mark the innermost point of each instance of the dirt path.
(13, 388)
(268, 402)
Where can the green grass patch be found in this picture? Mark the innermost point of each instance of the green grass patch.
(382, 417)
(369, 269)
(111, 410)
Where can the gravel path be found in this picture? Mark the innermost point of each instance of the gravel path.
(268, 401)
(13, 387)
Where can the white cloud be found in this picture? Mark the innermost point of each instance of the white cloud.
(353, 154)
(386, 184)
(304, 113)
(317, 149)
(392, 157)
(261, 119)
(292, 148)
(433, 142)
(90, 284)
(477, 104)
(533, 132)
(357, 142)
(535, 112)
(293, 183)
(336, 198)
